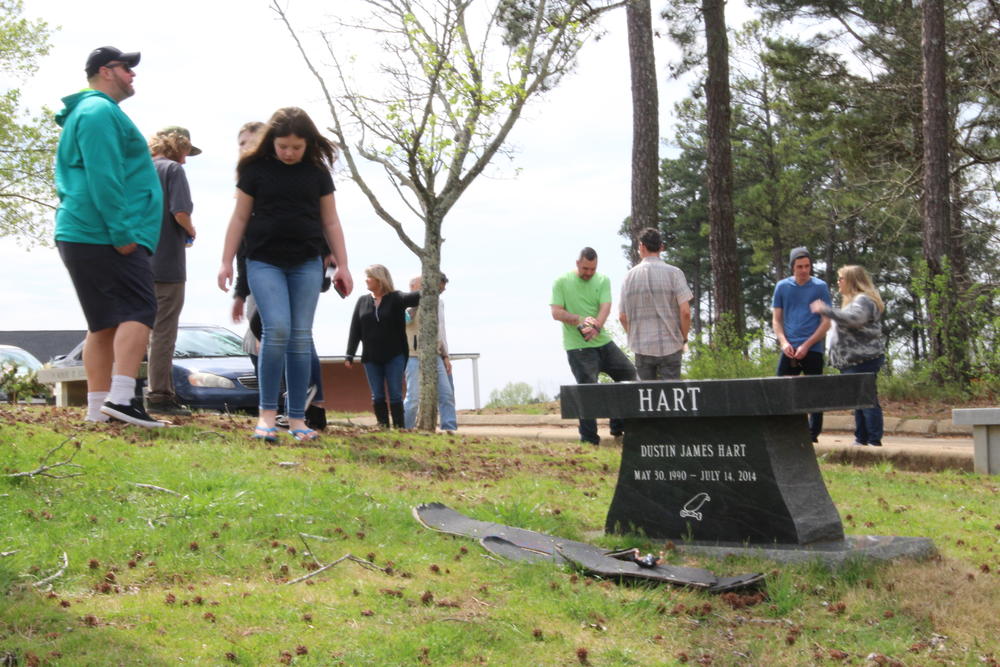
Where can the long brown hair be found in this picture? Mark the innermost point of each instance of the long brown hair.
(287, 121)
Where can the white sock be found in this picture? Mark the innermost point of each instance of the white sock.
(95, 399)
(122, 389)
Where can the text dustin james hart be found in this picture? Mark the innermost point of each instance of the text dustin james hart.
(679, 399)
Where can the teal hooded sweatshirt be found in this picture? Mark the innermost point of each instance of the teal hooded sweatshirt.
(108, 189)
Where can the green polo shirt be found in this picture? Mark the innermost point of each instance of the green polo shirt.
(581, 297)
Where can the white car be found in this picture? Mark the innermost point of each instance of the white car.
(24, 361)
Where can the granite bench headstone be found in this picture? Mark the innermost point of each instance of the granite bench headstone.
(722, 461)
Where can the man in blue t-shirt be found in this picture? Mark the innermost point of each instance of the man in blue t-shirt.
(801, 333)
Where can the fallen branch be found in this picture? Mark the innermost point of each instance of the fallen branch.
(318, 537)
(4, 554)
(153, 487)
(149, 522)
(360, 561)
(43, 470)
(52, 577)
(302, 536)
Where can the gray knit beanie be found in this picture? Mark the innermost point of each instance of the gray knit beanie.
(797, 253)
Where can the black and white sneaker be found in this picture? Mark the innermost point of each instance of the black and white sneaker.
(133, 413)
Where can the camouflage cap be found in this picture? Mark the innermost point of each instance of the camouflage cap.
(176, 129)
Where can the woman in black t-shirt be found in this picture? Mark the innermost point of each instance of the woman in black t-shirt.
(285, 210)
(379, 322)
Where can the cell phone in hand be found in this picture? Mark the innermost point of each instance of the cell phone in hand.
(339, 288)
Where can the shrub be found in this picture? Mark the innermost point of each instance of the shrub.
(515, 393)
(716, 360)
(17, 384)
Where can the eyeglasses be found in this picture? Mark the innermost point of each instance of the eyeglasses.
(124, 66)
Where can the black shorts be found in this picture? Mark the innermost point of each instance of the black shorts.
(112, 288)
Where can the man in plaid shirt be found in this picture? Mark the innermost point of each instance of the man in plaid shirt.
(655, 311)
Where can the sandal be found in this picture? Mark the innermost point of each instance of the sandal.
(304, 434)
(267, 434)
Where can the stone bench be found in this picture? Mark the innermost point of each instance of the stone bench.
(70, 383)
(985, 424)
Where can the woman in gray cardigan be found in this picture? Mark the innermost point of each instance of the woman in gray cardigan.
(856, 341)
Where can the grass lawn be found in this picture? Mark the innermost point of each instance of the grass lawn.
(180, 545)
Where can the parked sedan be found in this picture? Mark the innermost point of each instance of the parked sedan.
(211, 371)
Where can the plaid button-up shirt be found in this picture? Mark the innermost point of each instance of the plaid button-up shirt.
(650, 298)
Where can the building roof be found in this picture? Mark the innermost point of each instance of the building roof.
(43, 344)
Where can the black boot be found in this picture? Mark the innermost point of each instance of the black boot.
(316, 417)
(397, 415)
(381, 414)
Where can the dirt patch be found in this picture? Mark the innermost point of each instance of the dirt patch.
(923, 462)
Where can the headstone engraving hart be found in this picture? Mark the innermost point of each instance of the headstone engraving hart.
(721, 461)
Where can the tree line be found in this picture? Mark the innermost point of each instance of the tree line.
(873, 141)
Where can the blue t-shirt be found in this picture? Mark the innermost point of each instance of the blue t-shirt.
(798, 321)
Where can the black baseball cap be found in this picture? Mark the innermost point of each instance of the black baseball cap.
(103, 55)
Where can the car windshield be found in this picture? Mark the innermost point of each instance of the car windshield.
(19, 357)
(207, 342)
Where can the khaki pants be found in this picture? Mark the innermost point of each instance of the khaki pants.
(169, 302)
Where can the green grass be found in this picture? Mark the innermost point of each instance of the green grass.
(156, 578)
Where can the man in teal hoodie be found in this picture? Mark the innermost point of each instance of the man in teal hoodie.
(107, 227)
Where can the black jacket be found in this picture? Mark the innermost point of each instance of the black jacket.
(382, 331)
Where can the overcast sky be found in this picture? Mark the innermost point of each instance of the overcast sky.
(211, 66)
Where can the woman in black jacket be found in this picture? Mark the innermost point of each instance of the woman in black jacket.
(379, 323)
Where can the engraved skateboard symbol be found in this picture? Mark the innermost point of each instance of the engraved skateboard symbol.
(692, 506)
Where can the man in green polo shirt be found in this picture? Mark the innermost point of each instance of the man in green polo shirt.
(581, 300)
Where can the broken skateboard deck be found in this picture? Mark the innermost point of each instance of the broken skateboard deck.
(437, 516)
(520, 544)
(595, 561)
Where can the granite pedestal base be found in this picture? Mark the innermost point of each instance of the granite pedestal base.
(832, 554)
(731, 479)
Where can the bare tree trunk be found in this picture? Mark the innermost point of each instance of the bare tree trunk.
(696, 300)
(937, 215)
(427, 336)
(946, 341)
(722, 233)
(645, 122)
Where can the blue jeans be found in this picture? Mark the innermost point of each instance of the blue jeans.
(286, 299)
(867, 421)
(315, 374)
(589, 362)
(388, 374)
(811, 364)
(446, 395)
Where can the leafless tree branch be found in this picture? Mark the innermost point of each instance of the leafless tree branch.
(153, 487)
(58, 573)
(43, 470)
(360, 561)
